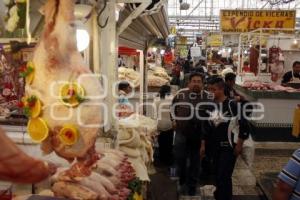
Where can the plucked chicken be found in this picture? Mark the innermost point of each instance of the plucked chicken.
(135, 140)
(108, 181)
(128, 74)
(157, 76)
(160, 72)
(61, 84)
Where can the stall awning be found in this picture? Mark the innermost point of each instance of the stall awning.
(147, 27)
(128, 51)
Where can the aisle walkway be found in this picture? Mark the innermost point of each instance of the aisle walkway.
(268, 163)
(162, 188)
(244, 185)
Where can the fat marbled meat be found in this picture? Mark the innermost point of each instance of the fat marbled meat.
(267, 86)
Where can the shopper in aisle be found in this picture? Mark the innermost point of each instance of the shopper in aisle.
(248, 148)
(288, 185)
(17, 167)
(188, 132)
(228, 146)
(164, 125)
(246, 67)
(230, 92)
(176, 74)
(186, 66)
(292, 76)
(124, 107)
(185, 80)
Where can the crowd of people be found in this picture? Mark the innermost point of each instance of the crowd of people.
(203, 113)
(209, 127)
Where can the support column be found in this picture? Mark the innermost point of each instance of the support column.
(108, 61)
(142, 92)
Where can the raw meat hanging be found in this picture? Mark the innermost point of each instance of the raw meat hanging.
(62, 103)
(62, 96)
(276, 63)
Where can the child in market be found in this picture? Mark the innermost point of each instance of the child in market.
(124, 107)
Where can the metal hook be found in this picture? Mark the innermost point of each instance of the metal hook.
(99, 15)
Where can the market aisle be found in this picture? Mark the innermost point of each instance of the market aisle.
(269, 161)
(244, 181)
(244, 185)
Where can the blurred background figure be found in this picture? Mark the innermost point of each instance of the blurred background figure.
(124, 108)
(165, 126)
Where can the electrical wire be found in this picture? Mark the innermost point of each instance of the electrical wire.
(99, 16)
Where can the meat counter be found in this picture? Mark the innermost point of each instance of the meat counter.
(278, 113)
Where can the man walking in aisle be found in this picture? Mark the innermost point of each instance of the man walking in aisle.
(229, 129)
(189, 132)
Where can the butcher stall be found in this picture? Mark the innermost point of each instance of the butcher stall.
(53, 103)
(275, 108)
(266, 55)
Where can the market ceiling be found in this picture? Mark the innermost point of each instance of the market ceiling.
(203, 15)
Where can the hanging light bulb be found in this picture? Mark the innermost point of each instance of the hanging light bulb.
(295, 41)
(83, 39)
(82, 13)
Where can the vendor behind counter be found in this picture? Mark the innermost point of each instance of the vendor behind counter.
(292, 76)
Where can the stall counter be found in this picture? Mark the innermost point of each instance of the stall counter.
(278, 106)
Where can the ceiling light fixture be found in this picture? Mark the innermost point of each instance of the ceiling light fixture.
(184, 6)
(83, 39)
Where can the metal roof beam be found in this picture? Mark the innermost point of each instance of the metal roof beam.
(194, 16)
(134, 14)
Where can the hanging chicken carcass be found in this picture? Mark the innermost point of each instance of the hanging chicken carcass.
(62, 96)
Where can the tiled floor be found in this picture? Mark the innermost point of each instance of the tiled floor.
(244, 188)
(271, 160)
(268, 163)
(244, 184)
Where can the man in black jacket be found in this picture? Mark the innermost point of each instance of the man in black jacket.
(229, 129)
(188, 129)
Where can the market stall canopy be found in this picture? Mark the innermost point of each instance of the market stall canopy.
(128, 51)
(151, 24)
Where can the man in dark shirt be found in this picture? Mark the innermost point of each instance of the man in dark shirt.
(189, 131)
(229, 87)
(292, 76)
(229, 129)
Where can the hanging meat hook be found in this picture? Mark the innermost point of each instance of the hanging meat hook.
(99, 15)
